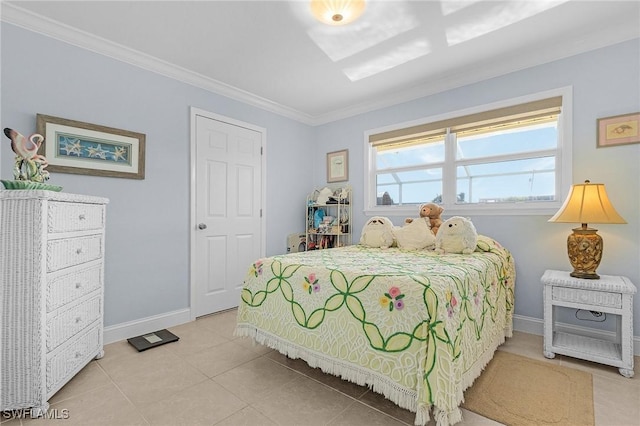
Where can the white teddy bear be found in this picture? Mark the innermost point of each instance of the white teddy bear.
(456, 235)
(377, 232)
(415, 235)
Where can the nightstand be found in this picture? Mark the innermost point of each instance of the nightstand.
(610, 294)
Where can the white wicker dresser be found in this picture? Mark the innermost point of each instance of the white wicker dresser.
(51, 288)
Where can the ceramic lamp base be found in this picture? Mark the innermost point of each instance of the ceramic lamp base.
(585, 252)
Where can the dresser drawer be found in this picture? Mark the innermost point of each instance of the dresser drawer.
(73, 251)
(62, 364)
(69, 287)
(66, 323)
(590, 297)
(68, 217)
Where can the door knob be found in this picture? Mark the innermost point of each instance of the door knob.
(202, 226)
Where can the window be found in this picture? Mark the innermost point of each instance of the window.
(503, 158)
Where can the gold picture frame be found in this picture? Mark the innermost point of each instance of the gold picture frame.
(618, 130)
(338, 166)
(75, 147)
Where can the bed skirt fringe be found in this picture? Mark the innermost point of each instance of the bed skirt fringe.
(404, 398)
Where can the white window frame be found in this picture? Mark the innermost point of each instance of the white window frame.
(564, 171)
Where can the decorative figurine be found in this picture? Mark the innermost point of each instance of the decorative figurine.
(29, 165)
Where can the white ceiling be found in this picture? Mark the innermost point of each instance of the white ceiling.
(274, 55)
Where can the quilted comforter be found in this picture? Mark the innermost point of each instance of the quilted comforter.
(415, 326)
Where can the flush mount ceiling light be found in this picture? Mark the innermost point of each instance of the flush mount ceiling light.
(337, 12)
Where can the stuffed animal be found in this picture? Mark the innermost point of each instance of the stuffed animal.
(324, 195)
(377, 232)
(415, 235)
(433, 212)
(457, 235)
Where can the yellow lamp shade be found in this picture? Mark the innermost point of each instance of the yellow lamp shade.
(586, 202)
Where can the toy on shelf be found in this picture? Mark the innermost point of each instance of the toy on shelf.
(328, 218)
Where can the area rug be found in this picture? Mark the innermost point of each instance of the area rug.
(516, 391)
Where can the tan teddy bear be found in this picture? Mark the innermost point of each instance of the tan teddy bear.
(433, 212)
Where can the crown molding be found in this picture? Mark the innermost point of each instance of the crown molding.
(614, 34)
(20, 17)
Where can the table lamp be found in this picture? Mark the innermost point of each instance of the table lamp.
(586, 202)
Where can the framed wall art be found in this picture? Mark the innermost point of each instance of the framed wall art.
(82, 148)
(338, 166)
(619, 130)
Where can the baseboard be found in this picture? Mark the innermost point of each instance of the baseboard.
(536, 326)
(115, 333)
(521, 323)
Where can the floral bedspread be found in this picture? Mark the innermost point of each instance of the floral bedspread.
(415, 326)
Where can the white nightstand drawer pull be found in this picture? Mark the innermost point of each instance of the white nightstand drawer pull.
(82, 217)
(78, 285)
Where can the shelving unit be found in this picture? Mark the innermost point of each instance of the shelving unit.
(328, 222)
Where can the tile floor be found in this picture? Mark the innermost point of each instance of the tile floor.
(210, 377)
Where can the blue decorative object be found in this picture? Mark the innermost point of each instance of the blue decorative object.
(318, 216)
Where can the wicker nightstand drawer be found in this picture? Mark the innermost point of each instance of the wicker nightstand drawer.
(66, 323)
(595, 298)
(67, 217)
(73, 251)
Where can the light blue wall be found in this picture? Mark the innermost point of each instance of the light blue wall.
(147, 263)
(605, 83)
(147, 254)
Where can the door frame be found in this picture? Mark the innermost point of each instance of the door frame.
(193, 113)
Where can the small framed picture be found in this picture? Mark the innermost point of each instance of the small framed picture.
(338, 166)
(619, 130)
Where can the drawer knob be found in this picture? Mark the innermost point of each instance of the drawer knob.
(78, 285)
(82, 216)
(78, 319)
(78, 354)
(79, 250)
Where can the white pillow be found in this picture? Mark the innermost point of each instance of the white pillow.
(416, 235)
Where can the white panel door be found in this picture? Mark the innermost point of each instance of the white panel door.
(228, 207)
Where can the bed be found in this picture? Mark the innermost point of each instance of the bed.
(415, 326)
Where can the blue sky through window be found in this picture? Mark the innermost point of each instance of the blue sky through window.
(414, 174)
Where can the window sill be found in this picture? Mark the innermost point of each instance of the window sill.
(517, 209)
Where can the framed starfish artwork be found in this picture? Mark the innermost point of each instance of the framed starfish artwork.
(72, 146)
